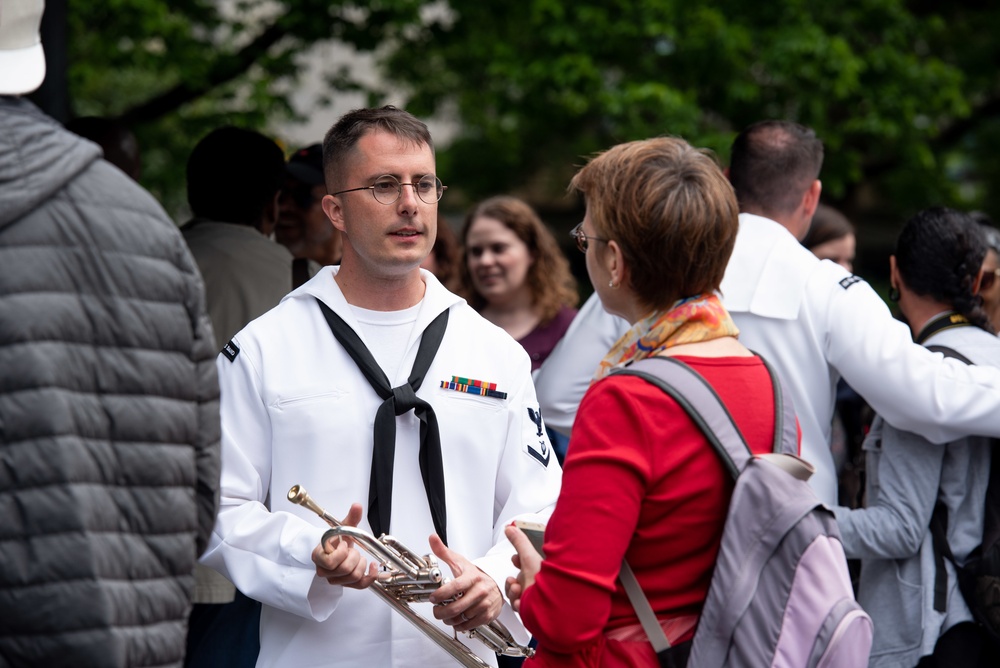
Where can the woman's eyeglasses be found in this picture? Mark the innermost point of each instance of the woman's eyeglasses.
(583, 240)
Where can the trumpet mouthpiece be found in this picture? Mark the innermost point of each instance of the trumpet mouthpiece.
(296, 494)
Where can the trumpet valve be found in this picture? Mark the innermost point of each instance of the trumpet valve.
(412, 594)
(424, 576)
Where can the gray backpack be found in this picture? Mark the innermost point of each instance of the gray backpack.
(780, 594)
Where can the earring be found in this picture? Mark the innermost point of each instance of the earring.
(611, 284)
(893, 294)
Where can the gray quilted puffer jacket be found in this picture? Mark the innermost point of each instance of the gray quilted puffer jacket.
(109, 420)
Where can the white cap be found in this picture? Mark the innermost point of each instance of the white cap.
(22, 62)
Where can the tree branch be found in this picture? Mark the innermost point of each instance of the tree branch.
(225, 69)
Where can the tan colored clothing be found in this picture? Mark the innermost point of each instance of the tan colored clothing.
(246, 274)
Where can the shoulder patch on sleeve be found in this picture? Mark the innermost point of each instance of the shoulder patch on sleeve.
(542, 453)
(536, 417)
(230, 350)
(849, 281)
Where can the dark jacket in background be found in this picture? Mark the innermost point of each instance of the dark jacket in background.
(109, 421)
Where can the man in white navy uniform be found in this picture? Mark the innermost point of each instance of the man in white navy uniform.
(816, 322)
(298, 409)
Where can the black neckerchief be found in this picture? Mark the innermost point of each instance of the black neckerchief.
(397, 401)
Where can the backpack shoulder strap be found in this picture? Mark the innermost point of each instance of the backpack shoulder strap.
(786, 426)
(700, 401)
(693, 393)
(939, 519)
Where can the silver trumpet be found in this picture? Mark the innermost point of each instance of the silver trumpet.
(407, 577)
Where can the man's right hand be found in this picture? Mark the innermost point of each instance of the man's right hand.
(339, 563)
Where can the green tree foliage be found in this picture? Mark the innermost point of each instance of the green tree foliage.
(175, 70)
(903, 93)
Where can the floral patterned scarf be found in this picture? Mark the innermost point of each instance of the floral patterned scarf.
(699, 318)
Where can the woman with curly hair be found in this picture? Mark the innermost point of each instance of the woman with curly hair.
(516, 276)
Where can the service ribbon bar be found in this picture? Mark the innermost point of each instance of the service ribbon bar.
(472, 386)
(473, 382)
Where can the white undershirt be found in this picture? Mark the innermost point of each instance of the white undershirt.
(386, 333)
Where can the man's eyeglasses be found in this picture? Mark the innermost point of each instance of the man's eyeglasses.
(387, 189)
(583, 240)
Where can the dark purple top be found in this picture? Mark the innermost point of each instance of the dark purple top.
(540, 341)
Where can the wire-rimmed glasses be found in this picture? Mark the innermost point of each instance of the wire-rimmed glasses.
(583, 240)
(387, 189)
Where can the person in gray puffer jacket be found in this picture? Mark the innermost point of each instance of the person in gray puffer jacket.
(109, 417)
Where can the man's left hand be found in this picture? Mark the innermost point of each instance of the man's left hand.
(475, 597)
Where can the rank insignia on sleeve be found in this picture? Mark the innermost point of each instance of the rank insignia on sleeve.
(230, 350)
(543, 453)
(473, 386)
(849, 281)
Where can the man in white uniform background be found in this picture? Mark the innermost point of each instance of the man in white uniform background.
(298, 409)
(816, 322)
(565, 375)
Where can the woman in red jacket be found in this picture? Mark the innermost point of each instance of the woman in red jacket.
(640, 481)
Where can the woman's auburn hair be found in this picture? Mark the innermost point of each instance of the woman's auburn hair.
(551, 282)
(670, 209)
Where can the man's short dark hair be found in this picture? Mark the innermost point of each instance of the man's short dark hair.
(773, 164)
(233, 174)
(119, 143)
(341, 139)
